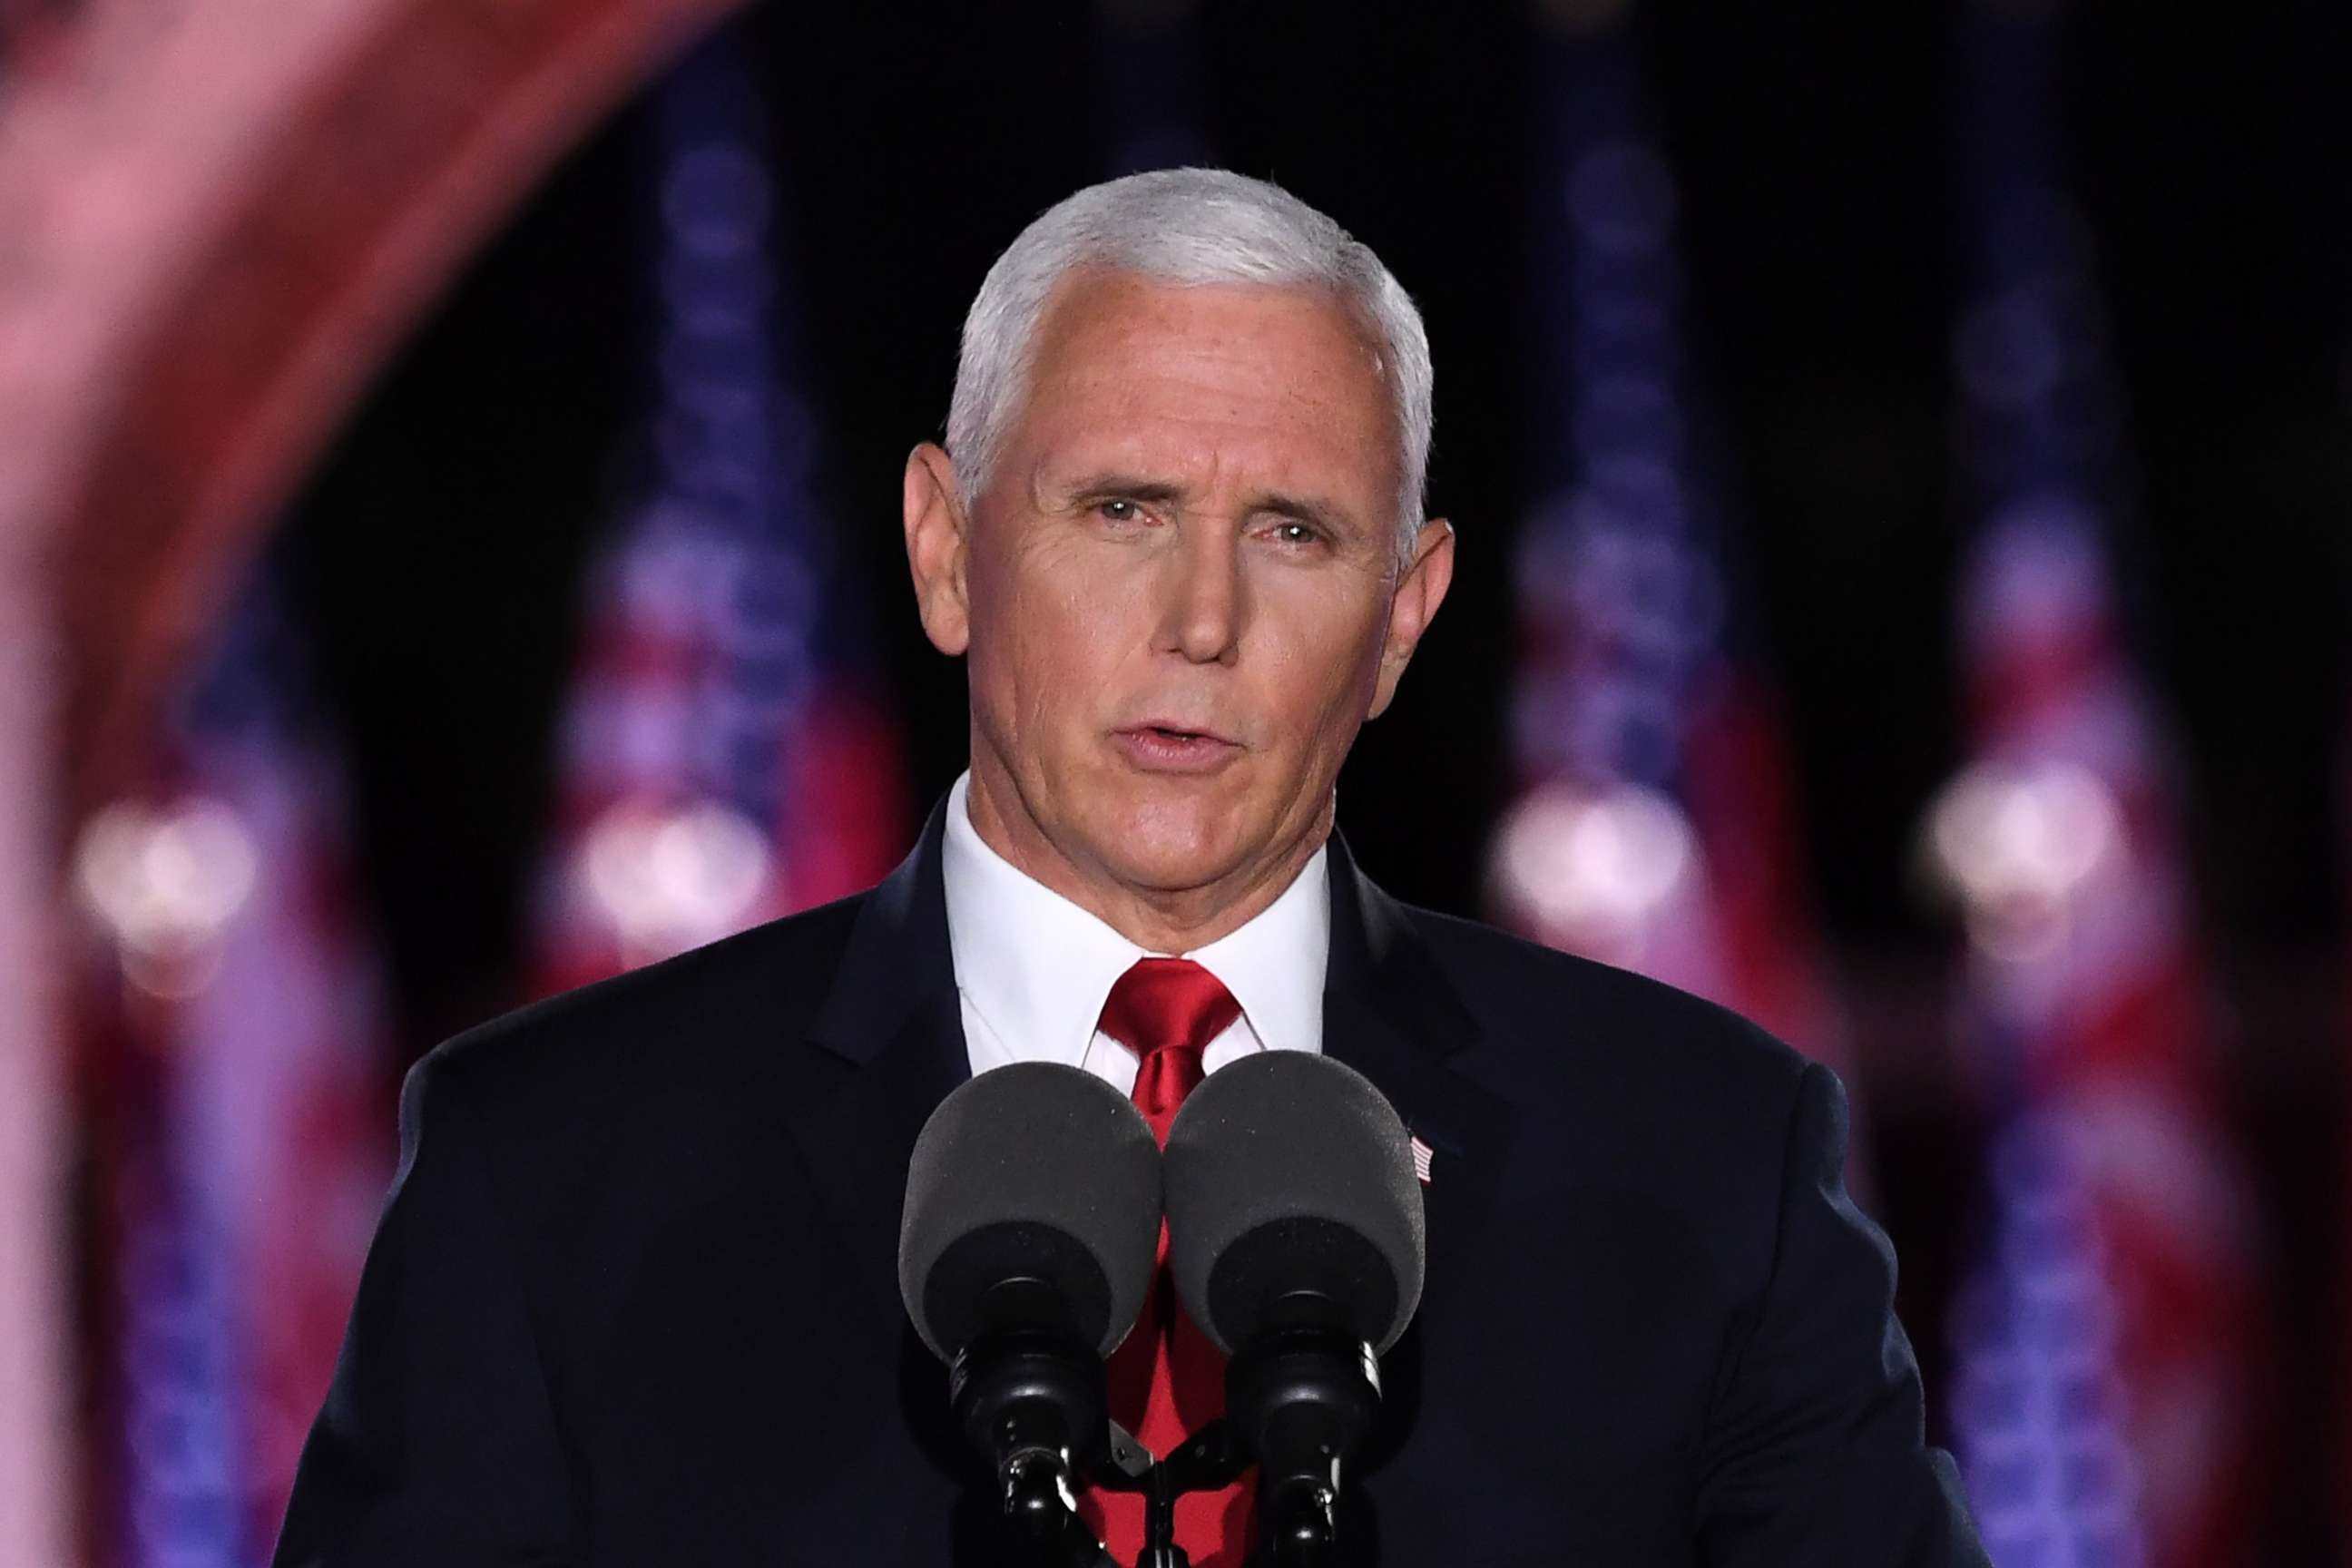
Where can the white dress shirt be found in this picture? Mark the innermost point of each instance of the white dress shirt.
(1034, 969)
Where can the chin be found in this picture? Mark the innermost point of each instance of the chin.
(1166, 870)
(1169, 851)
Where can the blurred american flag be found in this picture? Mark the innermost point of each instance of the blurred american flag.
(2106, 1341)
(1655, 826)
(235, 1082)
(724, 760)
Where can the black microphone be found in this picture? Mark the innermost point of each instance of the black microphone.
(1295, 1234)
(1027, 1243)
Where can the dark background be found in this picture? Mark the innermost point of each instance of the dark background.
(436, 556)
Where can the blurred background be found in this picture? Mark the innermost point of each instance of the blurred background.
(448, 486)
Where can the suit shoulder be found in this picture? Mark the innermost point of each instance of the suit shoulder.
(667, 1024)
(1639, 1084)
(1584, 1015)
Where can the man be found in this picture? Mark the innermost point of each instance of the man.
(632, 1299)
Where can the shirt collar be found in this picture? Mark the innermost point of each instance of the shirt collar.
(1039, 968)
(1273, 963)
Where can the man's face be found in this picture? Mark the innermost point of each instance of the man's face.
(1180, 592)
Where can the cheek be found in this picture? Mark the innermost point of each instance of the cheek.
(1046, 634)
(1322, 663)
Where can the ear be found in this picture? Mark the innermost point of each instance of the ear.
(933, 507)
(1419, 593)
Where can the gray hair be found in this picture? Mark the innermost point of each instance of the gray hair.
(1186, 227)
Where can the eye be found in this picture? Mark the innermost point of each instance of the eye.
(1292, 532)
(1117, 509)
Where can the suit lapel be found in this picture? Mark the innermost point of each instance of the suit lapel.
(891, 1034)
(1391, 1012)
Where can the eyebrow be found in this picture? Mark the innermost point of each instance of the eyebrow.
(1305, 509)
(1125, 487)
(1314, 510)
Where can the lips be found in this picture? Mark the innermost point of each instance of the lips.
(1170, 746)
(1176, 730)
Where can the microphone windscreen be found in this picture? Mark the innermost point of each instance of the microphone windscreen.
(1035, 1171)
(1286, 1171)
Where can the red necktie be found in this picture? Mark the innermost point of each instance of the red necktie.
(1166, 1380)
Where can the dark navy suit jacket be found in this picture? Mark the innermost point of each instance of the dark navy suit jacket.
(633, 1299)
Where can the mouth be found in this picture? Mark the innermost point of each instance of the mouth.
(1157, 747)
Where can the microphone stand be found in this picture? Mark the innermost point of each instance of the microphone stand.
(1044, 1516)
(1029, 1392)
(1311, 1395)
(1299, 1395)
(1303, 1394)
(1209, 1460)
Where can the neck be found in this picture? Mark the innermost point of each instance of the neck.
(1159, 920)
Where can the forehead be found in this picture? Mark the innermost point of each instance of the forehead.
(1273, 382)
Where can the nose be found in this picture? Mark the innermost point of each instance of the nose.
(1202, 612)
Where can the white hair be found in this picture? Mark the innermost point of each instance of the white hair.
(1185, 227)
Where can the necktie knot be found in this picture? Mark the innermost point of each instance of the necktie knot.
(1167, 1010)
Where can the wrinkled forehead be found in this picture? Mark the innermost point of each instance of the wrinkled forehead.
(1284, 381)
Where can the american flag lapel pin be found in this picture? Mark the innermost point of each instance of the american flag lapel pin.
(1421, 1155)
